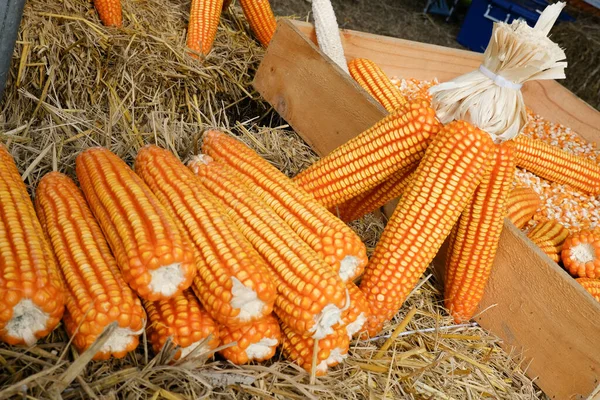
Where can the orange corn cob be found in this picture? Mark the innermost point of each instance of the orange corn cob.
(202, 28)
(31, 291)
(521, 204)
(581, 254)
(377, 197)
(557, 165)
(591, 285)
(183, 319)
(153, 256)
(443, 184)
(547, 247)
(396, 142)
(311, 294)
(331, 350)
(233, 281)
(255, 342)
(474, 241)
(260, 18)
(334, 241)
(96, 293)
(549, 236)
(371, 78)
(355, 316)
(109, 12)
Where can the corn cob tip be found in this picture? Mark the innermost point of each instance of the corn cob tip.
(197, 160)
(247, 301)
(326, 320)
(581, 254)
(349, 267)
(256, 341)
(27, 320)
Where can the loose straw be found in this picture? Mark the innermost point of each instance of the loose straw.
(409, 316)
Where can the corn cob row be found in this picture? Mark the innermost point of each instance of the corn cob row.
(259, 15)
(371, 78)
(355, 316)
(31, 290)
(549, 236)
(311, 294)
(96, 293)
(183, 319)
(377, 197)
(255, 342)
(475, 239)
(233, 281)
(581, 254)
(110, 12)
(202, 28)
(552, 163)
(591, 285)
(443, 183)
(153, 256)
(521, 205)
(333, 240)
(398, 141)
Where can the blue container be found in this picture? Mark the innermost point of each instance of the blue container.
(476, 29)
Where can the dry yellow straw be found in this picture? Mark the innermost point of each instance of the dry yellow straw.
(409, 316)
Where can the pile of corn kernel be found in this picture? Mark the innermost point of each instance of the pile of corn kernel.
(573, 209)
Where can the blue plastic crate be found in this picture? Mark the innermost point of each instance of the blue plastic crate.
(476, 29)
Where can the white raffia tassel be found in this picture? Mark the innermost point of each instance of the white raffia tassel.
(490, 97)
(328, 33)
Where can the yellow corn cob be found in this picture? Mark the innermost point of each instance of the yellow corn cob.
(333, 240)
(549, 236)
(547, 247)
(474, 241)
(255, 342)
(377, 197)
(31, 291)
(581, 254)
(396, 142)
(233, 281)
(521, 205)
(591, 285)
(444, 181)
(357, 312)
(260, 18)
(96, 293)
(330, 351)
(182, 319)
(557, 165)
(109, 12)
(311, 294)
(153, 256)
(202, 28)
(371, 78)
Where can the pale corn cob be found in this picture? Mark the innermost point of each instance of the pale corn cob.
(202, 28)
(443, 184)
(521, 205)
(549, 236)
(396, 142)
(310, 294)
(31, 291)
(581, 254)
(371, 78)
(474, 241)
(256, 341)
(153, 256)
(333, 240)
(591, 285)
(183, 319)
(96, 294)
(260, 18)
(233, 281)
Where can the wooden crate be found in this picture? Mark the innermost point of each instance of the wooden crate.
(533, 305)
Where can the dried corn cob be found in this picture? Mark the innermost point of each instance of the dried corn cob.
(311, 294)
(233, 281)
(109, 12)
(260, 18)
(333, 240)
(557, 165)
(355, 316)
(377, 197)
(398, 141)
(521, 205)
(96, 293)
(549, 236)
(444, 181)
(183, 319)
(31, 291)
(371, 78)
(202, 28)
(330, 350)
(255, 342)
(474, 241)
(154, 258)
(591, 285)
(547, 247)
(581, 254)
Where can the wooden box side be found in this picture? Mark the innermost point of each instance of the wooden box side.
(530, 302)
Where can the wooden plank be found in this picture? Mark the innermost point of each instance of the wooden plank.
(533, 305)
